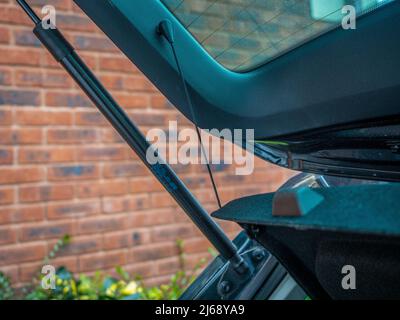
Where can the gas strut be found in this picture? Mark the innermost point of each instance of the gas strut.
(65, 54)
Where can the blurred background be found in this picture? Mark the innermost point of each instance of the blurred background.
(65, 171)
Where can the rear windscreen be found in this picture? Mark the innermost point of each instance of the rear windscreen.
(243, 34)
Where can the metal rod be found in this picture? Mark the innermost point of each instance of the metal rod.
(63, 52)
(29, 11)
(163, 172)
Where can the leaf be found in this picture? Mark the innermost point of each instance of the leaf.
(66, 239)
(108, 282)
(63, 273)
(122, 273)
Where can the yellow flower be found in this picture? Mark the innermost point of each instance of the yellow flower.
(111, 290)
(83, 288)
(131, 288)
(73, 287)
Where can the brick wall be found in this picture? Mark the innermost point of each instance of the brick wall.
(64, 170)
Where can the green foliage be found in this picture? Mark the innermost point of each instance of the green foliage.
(64, 241)
(6, 291)
(214, 253)
(82, 287)
(178, 282)
(32, 291)
(102, 286)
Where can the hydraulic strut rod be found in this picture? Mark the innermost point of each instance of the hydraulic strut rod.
(64, 53)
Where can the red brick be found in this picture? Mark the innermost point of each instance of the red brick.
(110, 136)
(120, 64)
(28, 271)
(7, 196)
(42, 231)
(90, 59)
(4, 35)
(159, 102)
(58, 4)
(37, 78)
(150, 119)
(125, 204)
(162, 200)
(18, 254)
(20, 175)
(196, 245)
(88, 190)
(13, 97)
(45, 193)
(71, 210)
(168, 266)
(138, 83)
(90, 118)
(7, 235)
(25, 38)
(55, 79)
(6, 156)
(5, 76)
(93, 43)
(80, 245)
(98, 225)
(71, 136)
(117, 240)
(14, 15)
(28, 78)
(152, 252)
(10, 136)
(74, 22)
(173, 232)
(144, 184)
(206, 196)
(126, 239)
(27, 213)
(101, 261)
(71, 263)
(46, 155)
(5, 216)
(112, 82)
(20, 136)
(150, 218)
(73, 172)
(28, 136)
(133, 100)
(40, 118)
(101, 153)
(5, 117)
(113, 187)
(63, 99)
(124, 170)
(21, 57)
